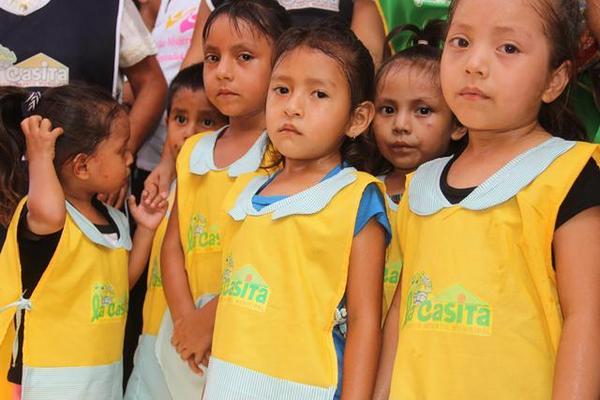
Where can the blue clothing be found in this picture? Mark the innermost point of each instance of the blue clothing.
(372, 205)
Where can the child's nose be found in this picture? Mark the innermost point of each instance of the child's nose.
(476, 63)
(224, 68)
(293, 106)
(402, 123)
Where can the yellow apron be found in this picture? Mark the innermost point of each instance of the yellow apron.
(393, 257)
(147, 380)
(73, 333)
(201, 188)
(285, 272)
(480, 314)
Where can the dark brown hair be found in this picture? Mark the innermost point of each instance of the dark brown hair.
(561, 20)
(84, 112)
(266, 17)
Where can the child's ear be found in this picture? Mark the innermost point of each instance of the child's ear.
(80, 167)
(558, 81)
(361, 119)
(458, 133)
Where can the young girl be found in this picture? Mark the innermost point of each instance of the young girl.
(305, 244)
(238, 42)
(63, 267)
(188, 112)
(500, 292)
(412, 124)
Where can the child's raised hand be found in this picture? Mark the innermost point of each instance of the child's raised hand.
(148, 214)
(40, 137)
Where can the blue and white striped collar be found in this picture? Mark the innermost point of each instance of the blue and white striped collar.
(93, 234)
(202, 156)
(425, 196)
(309, 201)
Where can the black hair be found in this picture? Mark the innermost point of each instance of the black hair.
(188, 78)
(84, 112)
(424, 53)
(340, 44)
(266, 17)
(562, 21)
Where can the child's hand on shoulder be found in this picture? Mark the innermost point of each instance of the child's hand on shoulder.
(40, 138)
(150, 212)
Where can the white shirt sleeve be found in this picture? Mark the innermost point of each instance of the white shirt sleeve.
(136, 42)
(210, 4)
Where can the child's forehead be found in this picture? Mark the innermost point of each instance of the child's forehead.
(302, 56)
(501, 15)
(416, 76)
(188, 98)
(234, 28)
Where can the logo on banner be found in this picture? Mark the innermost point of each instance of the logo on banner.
(39, 70)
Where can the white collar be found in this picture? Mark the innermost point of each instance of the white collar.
(425, 196)
(22, 7)
(202, 156)
(92, 233)
(306, 202)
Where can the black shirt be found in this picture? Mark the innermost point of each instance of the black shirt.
(584, 194)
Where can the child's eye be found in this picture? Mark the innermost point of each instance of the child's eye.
(320, 94)
(208, 122)
(181, 119)
(246, 57)
(281, 90)
(424, 111)
(459, 42)
(387, 110)
(509, 48)
(211, 58)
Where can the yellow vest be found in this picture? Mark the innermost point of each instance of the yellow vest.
(201, 189)
(285, 272)
(5, 356)
(393, 258)
(75, 317)
(155, 302)
(480, 315)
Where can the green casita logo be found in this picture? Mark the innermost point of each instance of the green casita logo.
(155, 277)
(201, 236)
(245, 287)
(391, 273)
(454, 310)
(106, 306)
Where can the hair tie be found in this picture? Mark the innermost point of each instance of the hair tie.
(31, 102)
(424, 42)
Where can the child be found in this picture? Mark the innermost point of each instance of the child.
(412, 124)
(188, 112)
(238, 43)
(308, 242)
(500, 296)
(63, 267)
